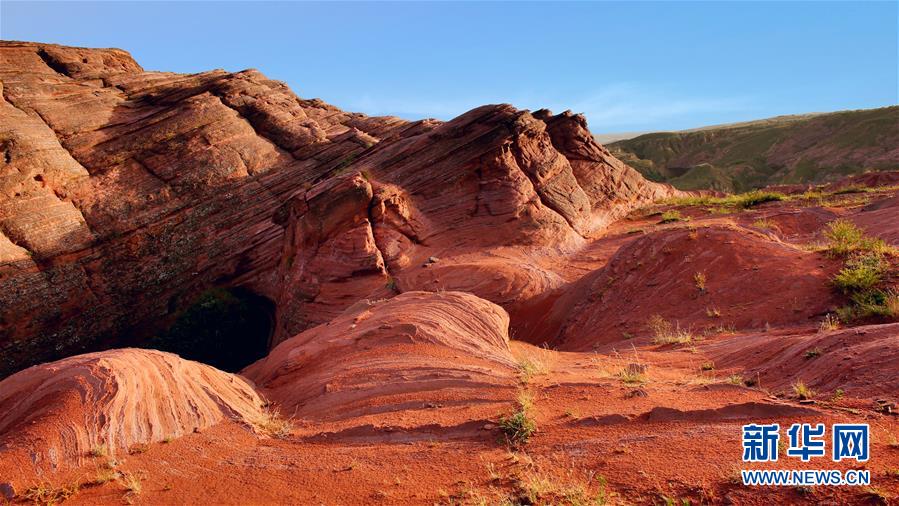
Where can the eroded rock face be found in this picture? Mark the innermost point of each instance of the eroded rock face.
(125, 193)
(415, 349)
(61, 411)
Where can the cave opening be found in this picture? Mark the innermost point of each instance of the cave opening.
(226, 328)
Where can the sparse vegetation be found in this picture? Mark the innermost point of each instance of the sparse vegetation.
(802, 391)
(838, 395)
(867, 265)
(845, 237)
(813, 353)
(764, 224)
(664, 332)
(105, 475)
(633, 374)
(708, 366)
(739, 201)
(534, 488)
(272, 424)
(735, 379)
(520, 425)
(829, 323)
(713, 312)
(99, 451)
(861, 273)
(44, 493)
(699, 281)
(532, 363)
(672, 216)
(132, 485)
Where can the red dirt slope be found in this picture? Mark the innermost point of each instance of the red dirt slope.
(699, 279)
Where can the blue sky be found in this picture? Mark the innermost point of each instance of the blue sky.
(629, 66)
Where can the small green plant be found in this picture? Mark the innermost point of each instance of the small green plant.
(868, 303)
(520, 425)
(838, 395)
(861, 272)
(671, 216)
(713, 312)
(699, 281)
(735, 379)
(813, 353)
(708, 366)
(802, 391)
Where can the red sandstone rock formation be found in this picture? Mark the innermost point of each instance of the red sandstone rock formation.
(415, 349)
(57, 413)
(124, 193)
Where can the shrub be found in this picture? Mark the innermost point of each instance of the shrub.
(877, 303)
(520, 425)
(844, 237)
(131, 483)
(813, 353)
(272, 424)
(44, 493)
(829, 323)
(735, 379)
(757, 197)
(699, 281)
(861, 272)
(666, 333)
(802, 391)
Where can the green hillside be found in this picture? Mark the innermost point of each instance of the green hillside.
(809, 148)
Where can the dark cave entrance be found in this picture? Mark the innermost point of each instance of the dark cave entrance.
(226, 328)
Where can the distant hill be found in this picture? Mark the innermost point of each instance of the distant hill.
(805, 148)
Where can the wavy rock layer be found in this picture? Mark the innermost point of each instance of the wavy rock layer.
(748, 281)
(408, 352)
(125, 193)
(860, 361)
(116, 398)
